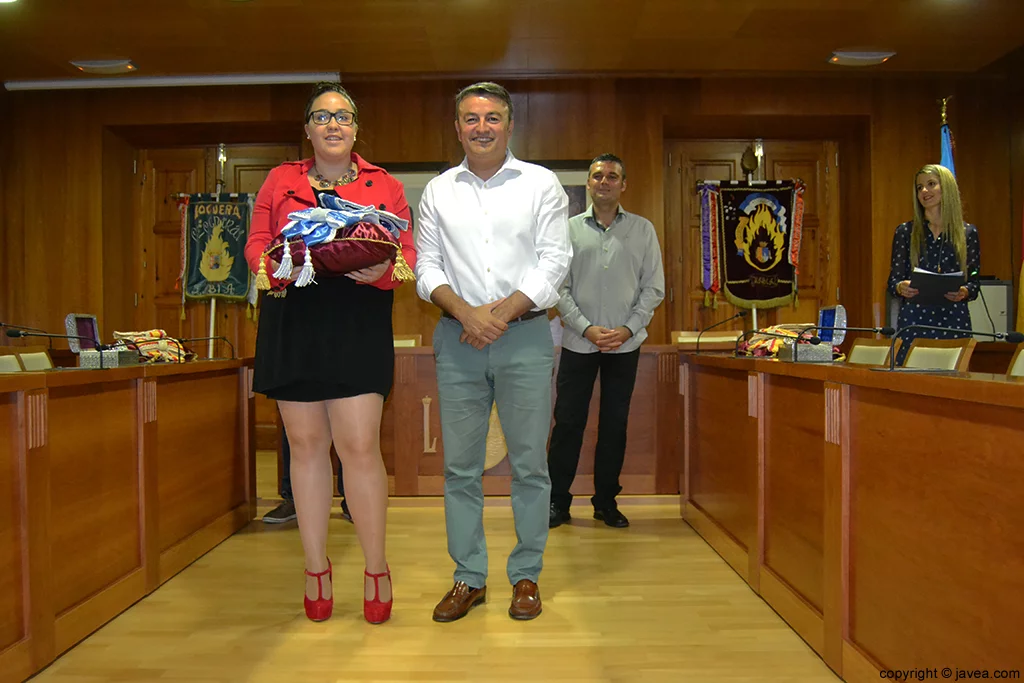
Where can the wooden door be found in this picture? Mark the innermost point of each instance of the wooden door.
(690, 161)
(166, 173)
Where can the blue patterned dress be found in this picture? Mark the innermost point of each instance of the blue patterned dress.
(940, 257)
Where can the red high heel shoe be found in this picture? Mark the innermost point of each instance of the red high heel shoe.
(321, 608)
(375, 611)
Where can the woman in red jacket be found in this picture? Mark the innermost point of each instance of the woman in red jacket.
(325, 352)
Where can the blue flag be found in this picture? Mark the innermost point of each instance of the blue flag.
(947, 148)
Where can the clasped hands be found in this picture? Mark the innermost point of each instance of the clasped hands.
(483, 325)
(908, 292)
(606, 339)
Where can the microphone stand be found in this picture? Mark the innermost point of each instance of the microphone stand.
(24, 328)
(224, 339)
(22, 333)
(741, 314)
(1013, 337)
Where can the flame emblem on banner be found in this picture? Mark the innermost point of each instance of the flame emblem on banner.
(760, 239)
(216, 262)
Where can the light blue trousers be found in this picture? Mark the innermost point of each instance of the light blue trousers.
(515, 372)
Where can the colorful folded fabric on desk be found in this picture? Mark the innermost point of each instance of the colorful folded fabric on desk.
(335, 238)
(154, 346)
(766, 343)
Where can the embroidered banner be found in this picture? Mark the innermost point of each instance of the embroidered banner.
(710, 246)
(214, 230)
(758, 226)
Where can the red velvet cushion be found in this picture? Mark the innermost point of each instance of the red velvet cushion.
(353, 248)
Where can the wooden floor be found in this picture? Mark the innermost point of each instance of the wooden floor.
(649, 603)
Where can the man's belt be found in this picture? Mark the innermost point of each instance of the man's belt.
(529, 315)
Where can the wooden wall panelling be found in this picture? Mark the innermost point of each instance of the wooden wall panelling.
(856, 238)
(981, 124)
(1017, 190)
(904, 137)
(6, 179)
(118, 234)
(640, 141)
(411, 121)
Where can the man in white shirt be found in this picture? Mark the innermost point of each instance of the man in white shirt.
(492, 249)
(615, 282)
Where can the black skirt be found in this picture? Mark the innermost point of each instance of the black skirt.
(328, 340)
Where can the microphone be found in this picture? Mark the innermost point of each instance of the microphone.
(741, 314)
(224, 339)
(25, 327)
(11, 332)
(1012, 337)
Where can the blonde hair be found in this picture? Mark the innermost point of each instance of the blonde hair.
(952, 216)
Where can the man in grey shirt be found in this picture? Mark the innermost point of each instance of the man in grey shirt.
(615, 282)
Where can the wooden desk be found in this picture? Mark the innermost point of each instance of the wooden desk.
(879, 514)
(114, 481)
(413, 449)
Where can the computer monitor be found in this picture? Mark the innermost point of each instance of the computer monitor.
(82, 325)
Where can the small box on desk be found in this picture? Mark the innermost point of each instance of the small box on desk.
(112, 358)
(805, 353)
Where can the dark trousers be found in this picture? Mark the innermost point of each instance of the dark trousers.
(575, 385)
(286, 465)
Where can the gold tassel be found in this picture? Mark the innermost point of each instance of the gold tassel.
(262, 281)
(707, 298)
(182, 317)
(402, 270)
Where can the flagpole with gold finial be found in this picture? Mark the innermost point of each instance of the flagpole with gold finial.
(948, 144)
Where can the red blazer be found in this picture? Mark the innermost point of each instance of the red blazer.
(287, 189)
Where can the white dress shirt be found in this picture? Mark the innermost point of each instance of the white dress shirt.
(488, 238)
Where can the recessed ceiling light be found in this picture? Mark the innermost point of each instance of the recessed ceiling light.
(860, 57)
(104, 66)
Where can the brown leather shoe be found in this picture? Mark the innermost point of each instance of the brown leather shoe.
(525, 600)
(458, 601)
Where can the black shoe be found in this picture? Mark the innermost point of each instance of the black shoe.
(612, 517)
(285, 512)
(557, 516)
(345, 514)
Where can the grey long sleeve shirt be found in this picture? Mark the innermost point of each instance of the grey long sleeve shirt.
(615, 278)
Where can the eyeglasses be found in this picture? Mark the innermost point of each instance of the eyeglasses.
(322, 117)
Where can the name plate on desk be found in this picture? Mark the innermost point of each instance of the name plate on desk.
(112, 358)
